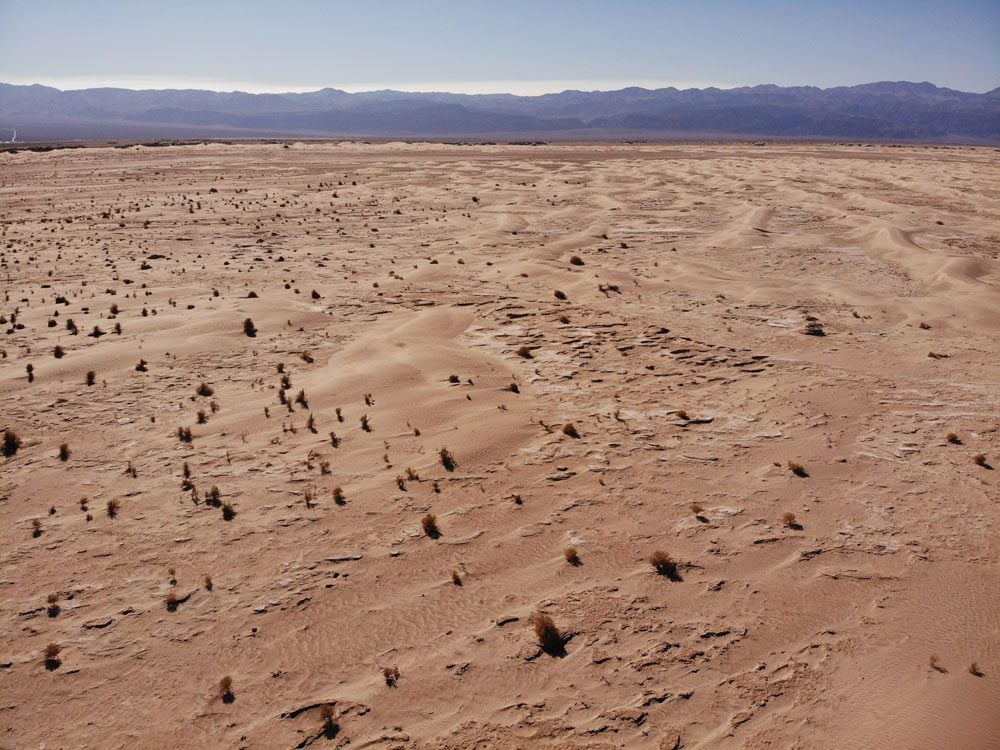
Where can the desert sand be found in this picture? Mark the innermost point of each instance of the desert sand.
(618, 346)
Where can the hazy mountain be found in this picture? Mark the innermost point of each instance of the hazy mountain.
(919, 111)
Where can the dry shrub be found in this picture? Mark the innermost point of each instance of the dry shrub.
(228, 512)
(788, 520)
(447, 460)
(113, 507)
(50, 656)
(572, 557)
(954, 439)
(664, 565)
(329, 728)
(797, 469)
(570, 429)
(524, 351)
(456, 578)
(226, 689)
(576, 260)
(429, 525)
(549, 637)
(11, 443)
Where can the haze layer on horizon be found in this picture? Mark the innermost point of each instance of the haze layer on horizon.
(514, 47)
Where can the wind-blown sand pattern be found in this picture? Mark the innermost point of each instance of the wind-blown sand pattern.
(691, 276)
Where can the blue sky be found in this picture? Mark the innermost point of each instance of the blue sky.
(514, 46)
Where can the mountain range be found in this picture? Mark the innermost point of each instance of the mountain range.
(883, 111)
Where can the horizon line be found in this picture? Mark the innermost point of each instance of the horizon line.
(472, 88)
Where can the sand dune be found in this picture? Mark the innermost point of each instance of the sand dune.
(610, 342)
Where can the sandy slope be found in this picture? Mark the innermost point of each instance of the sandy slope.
(702, 266)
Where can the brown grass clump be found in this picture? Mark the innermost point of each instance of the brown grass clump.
(64, 452)
(664, 565)
(11, 443)
(365, 424)
(576, 260)
(184, 434)
(91, 377)
(391, 675)
(524, 351)
(226, 689)
(681, 414)
(141, 367)
(430, 527)
(411, 474)
(401, 483)
(338, 496)
(447, 460)
(205, 390)
(36, 527)
(980, 460)
(572, 557)
(58, 352)
(249, 328)
(50, 656)
(549, 637)
(207, 582)
(456, 578)
(975, 671)
(788, 520)
(696, 508)
(113, 506)
(172, 601)
(513, 388)
(330, 728)
(797, 469)
(453, 379)
(228, 512)
(954, 439)
(53, 605)
(570, 429)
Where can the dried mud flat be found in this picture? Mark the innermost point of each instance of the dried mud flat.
(678, 350)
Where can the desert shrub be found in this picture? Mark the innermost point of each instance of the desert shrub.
(549, 637)
(664, 565)
(797, 469)
(249, 328)
(226, 689)
(50, 656)
(11, 443)
(64, 452)
(429, 525)
(572, 556)
(447, 460)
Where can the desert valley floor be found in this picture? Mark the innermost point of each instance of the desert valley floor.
(634, 335)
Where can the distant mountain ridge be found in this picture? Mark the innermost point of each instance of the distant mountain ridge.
(886, 110)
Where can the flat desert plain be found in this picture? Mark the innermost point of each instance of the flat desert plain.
(726, 414)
